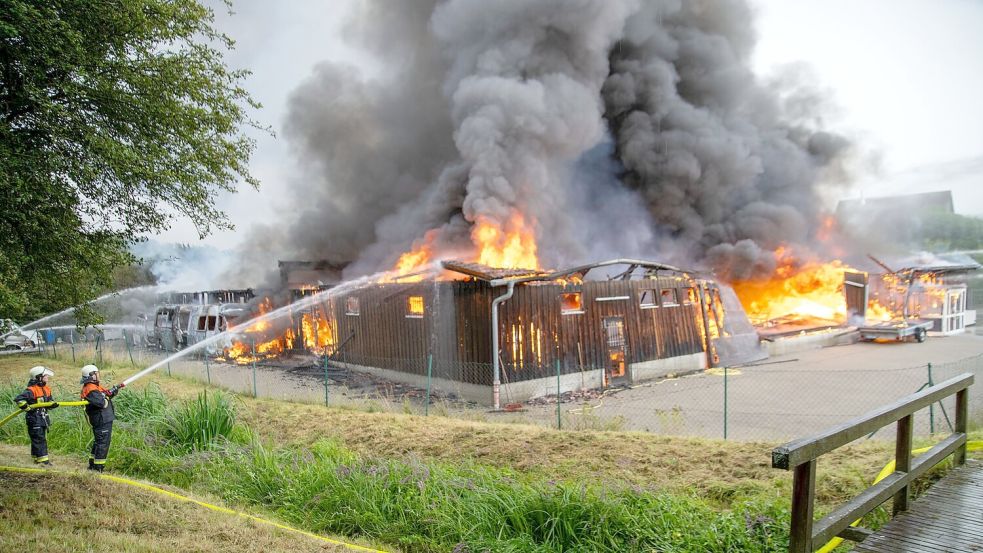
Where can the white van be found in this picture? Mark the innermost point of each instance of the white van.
(15, 337)
(210, 320)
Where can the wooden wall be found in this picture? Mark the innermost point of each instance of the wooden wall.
(579, 341)
(533, 331)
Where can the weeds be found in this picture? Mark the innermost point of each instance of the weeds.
(415, 505)
(200, 424)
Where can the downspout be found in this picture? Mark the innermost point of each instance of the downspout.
(496, 372)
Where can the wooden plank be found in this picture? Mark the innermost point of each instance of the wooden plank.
(839, 519)
(962, 418)
(947, 517)
(868, 500)
(803, 492)
(855, 533)
(902, 461)
(799, 451)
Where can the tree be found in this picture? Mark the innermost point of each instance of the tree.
(949, 231)
(117, 117)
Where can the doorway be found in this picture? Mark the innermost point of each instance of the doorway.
(616, 370)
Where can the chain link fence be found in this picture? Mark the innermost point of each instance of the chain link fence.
(774, 400)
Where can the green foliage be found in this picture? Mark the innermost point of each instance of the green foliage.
(116, 117)
(144, 405)
(948, 231)
(437, 507)
(200, 424)
(418, 506)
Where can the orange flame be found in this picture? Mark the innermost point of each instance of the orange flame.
(319, 332)
(511, 247)
(247, 351)
(811, 290)
(414, 260)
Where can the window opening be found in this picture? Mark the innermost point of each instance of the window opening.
(571, 303)
(414, 306)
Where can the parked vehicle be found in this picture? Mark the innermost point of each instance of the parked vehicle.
(163, 334)
(18, 338)
(207, 321)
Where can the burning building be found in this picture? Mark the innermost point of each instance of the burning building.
(568, 328)
(932, 294)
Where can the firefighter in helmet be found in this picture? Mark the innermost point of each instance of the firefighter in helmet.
(101, 414)
(37, 391)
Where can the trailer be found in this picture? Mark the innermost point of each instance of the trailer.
(898, 331)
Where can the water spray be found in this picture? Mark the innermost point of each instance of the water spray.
(299, 304)
(34, 324)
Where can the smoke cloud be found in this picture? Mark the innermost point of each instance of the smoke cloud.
(615, 127)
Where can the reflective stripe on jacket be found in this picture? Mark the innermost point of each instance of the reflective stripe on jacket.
(100, 409)
(36, 393)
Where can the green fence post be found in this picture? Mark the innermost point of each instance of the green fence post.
(558, 423)
(99, 348)
(208, 372)
(426, 404)
(126, 340)
(73, 347)
(54, 349)
(254, 367)
(725, 402)
(931, 406)
(326, 378)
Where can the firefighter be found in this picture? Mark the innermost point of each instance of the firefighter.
(37, 419)
(101, 415)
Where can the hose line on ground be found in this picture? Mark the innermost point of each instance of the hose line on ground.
(180, 497)
(888, 469)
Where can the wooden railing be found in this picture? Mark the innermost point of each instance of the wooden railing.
(800, 456)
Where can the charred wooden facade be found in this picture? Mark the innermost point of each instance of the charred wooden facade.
(573, 326)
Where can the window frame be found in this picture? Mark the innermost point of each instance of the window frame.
(564, 310)
(410, 314)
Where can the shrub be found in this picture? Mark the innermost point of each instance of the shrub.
(199, 424)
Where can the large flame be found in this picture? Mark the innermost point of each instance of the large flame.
(505, 246)
(257, 344)
(414, 260)
(320, 332)
(798, 290)
(511, 246)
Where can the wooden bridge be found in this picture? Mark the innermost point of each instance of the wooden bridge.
(948, 517)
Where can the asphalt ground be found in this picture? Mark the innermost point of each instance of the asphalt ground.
(792, 395)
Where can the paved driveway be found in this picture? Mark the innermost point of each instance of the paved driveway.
(789, 396)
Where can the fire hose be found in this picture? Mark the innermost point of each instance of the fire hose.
(40, 405)
(217, 508)
(830, 546)
(888, 469)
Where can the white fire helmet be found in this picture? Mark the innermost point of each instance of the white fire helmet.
(88, 370)
(39, 371)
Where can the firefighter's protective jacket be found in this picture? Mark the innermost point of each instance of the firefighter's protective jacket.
(100, 409)
(36, 392)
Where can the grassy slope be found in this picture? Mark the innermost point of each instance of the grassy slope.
(74, 512)
(719, 472)
(714, 469)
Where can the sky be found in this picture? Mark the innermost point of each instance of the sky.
(903, 79)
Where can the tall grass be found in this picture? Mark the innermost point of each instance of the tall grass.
(199, 424)
(440, 507)
(144, 405)
(415, 505)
